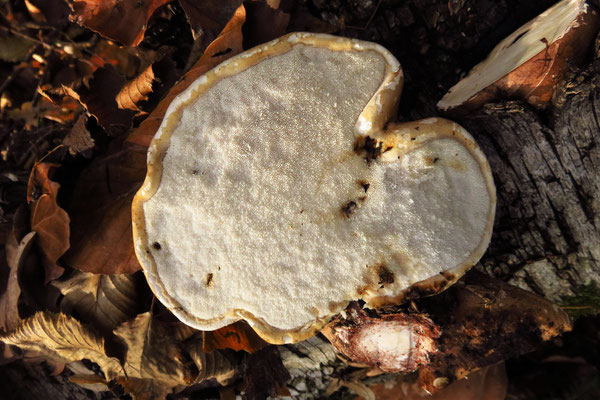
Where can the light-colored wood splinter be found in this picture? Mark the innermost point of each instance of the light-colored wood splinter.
(278, 191)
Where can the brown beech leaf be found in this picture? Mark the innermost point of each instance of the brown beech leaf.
(62, 338)
(210, 16)
(16, 253)
(103, 301)
(101, 238)
(237, 336)
(264, 22)
(121, 20)
(99, 99)
(79, 140)
(153, 352)
(48, 219)
(9, 297)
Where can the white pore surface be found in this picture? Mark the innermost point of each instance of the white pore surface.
(515, 50)
(256, 175)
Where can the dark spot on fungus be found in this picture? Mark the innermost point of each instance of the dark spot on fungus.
(365, 185)
(416, 128)
(385, 275)
(388, 149)
(362, 199)
(413, 138)
(209, 279)
(370, 146)
(195, 172)
(435, 159)
(349, 209)
(156, 245)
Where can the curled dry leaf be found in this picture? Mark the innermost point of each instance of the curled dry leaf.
(101, 209)
(62, 338)
(121, 20)
(141, 93)
(104, 301)
(136, 91)
(79, 140)
(219, 365)
(237, 336)
(48, 219)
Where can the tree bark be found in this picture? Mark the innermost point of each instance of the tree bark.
(547, 172)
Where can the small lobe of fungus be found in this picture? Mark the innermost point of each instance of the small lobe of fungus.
(349, 209)
(156, 245)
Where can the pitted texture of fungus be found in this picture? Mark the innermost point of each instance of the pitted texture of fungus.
(272, 150)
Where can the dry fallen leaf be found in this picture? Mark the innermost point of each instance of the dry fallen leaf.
(138, 94)
(17, 248)
(237, 336)
(9, 298)
(264, 22)
(153, 352)
(62, 338)
(101, 208)
(209, 16)
(48, 219)
(79, 140)
(121, 20)
(99, 99)
(103, 301)
(136, 91)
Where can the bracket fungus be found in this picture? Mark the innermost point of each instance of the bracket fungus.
(278, 190)
(530, 62)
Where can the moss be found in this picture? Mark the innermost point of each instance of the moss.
(586, 301)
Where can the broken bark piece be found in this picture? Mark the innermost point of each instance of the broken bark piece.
(392, 342)
(282, 128)
(478, 322)
(529, 63)
(484, 321)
